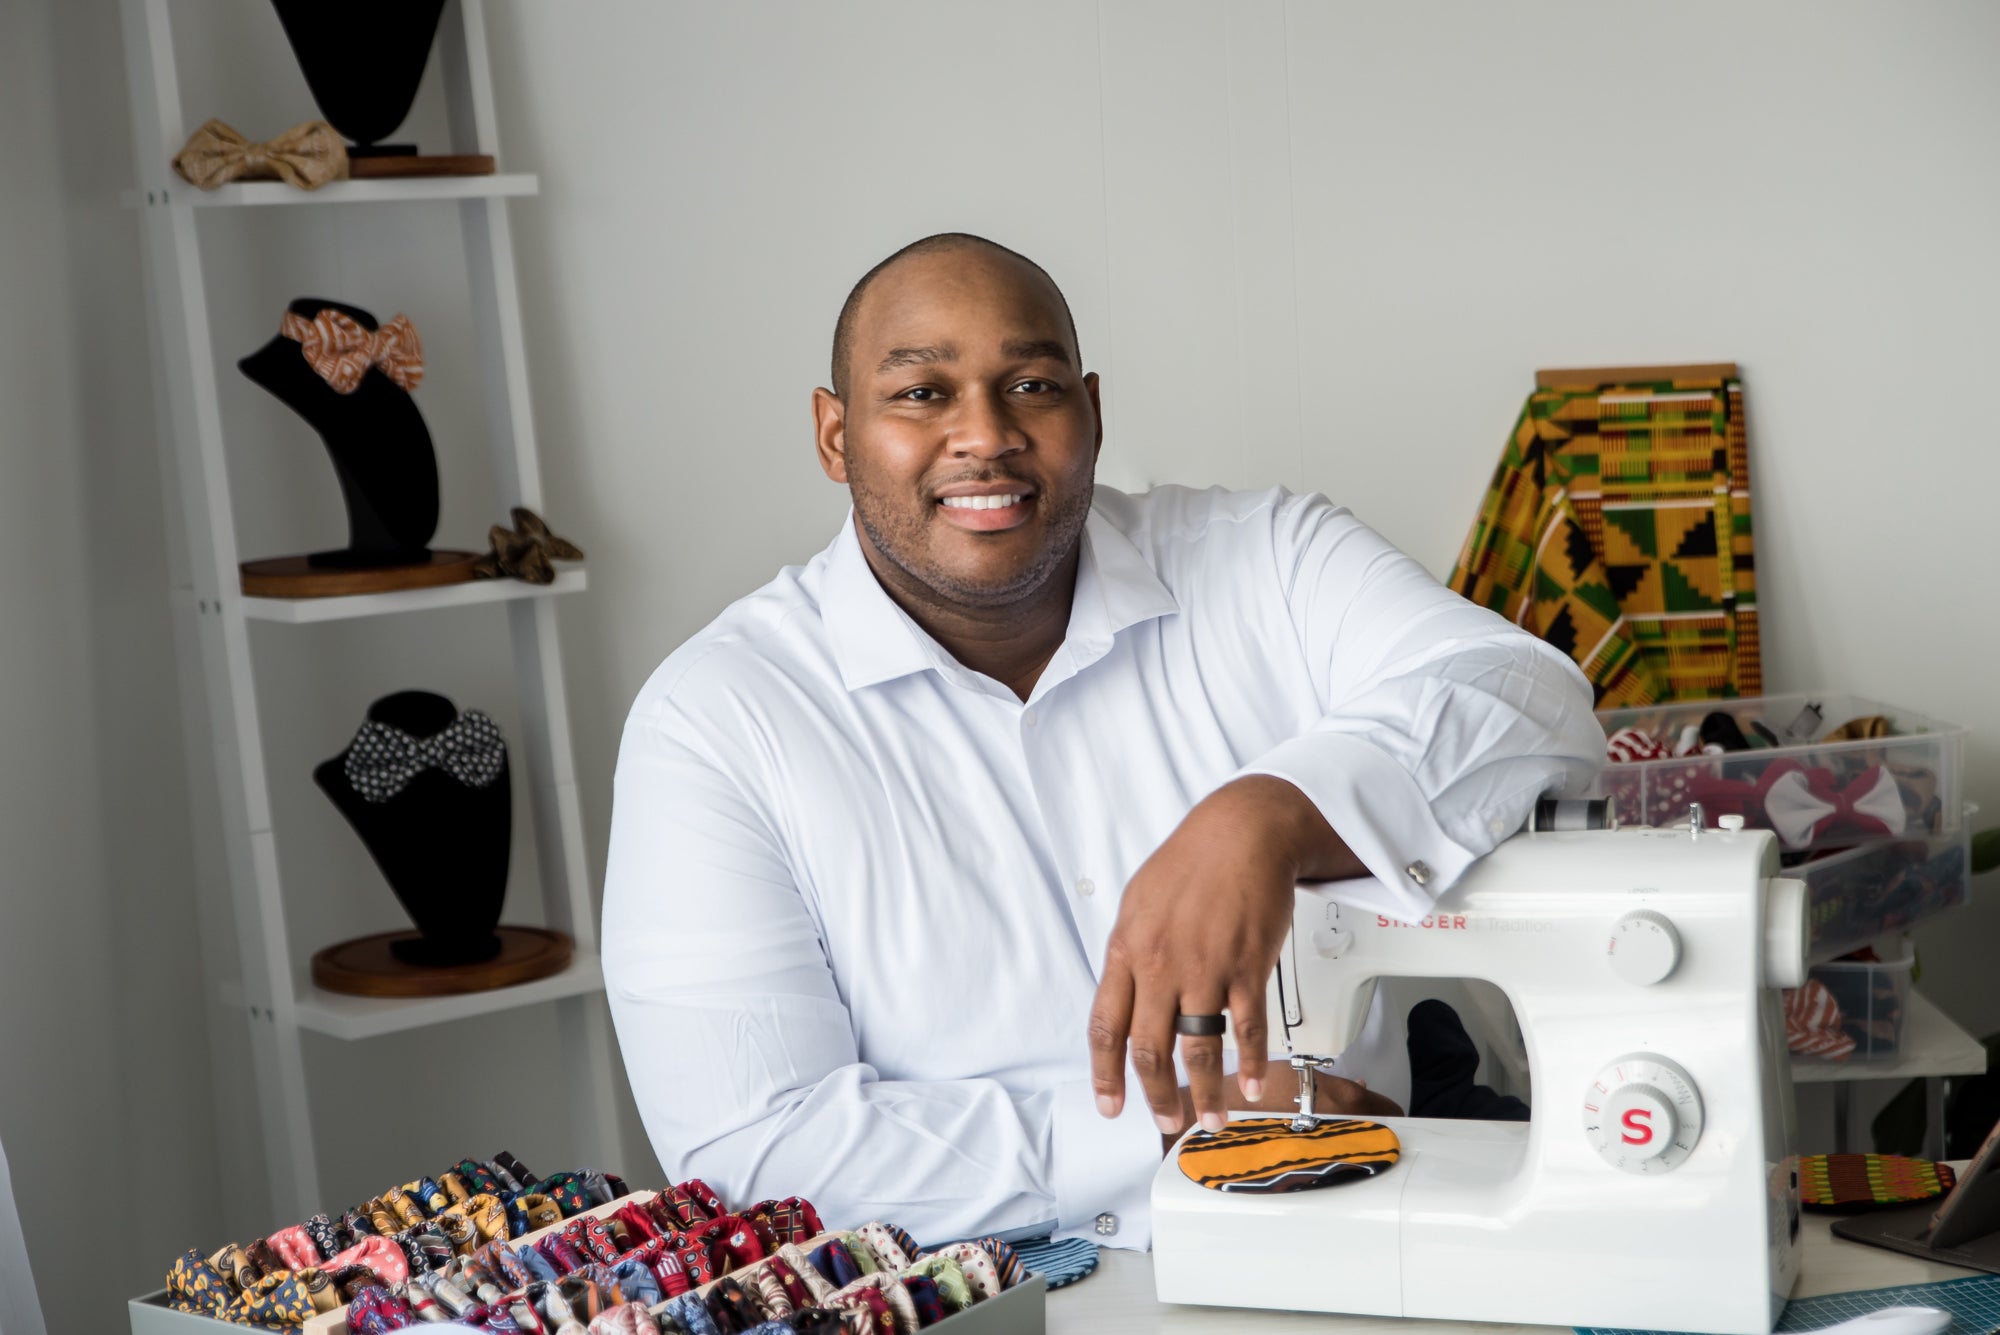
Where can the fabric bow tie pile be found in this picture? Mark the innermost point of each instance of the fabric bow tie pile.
(382, 759)
(307, 156)
(340, 349)
(673, 1261)
(526, 551)
(277, 1282)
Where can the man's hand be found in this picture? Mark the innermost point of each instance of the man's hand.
(1198, 933)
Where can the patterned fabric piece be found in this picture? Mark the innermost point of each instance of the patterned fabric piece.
(792, 1219)
(376, 1311)
(946, 1273)
(382, 759)
(1851, 1181)
(378, 1254)
(802, 1265)
(625, 1319)
(977, 1263)
(923, 1291)
(1265, 1155)
(864, 1256)
(194, 1285)
(1617, 527)
(1812, 1023)
(836, 1264)
(884, 1245)
(340, 350)
(1005, 1259)
(1058, 1263)
(565, 1189)
(306, 156)
(902, 1308)
(325, 1235)
(692, 1315)
(478, 1176)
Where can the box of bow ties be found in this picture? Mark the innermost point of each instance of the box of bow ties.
(1864, 797)
(579, 1254)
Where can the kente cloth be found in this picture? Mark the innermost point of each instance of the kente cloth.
(1865, 1181)
(1264, 1154)
(1617, 528)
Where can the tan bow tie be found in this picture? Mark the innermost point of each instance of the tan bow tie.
(307, 156)
(341, 350)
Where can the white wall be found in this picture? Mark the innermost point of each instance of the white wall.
(1321, 244)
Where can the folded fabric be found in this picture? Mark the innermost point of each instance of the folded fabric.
(376, 1311)
(949, 1276)
(976, 1264)
(835, 1263)
(1005, 1259)
(817, 1284)
(625, 1319)
(923, 1291)
(379, 1254)
(1059, 1263)
(692, 1315)
(1813, 1023)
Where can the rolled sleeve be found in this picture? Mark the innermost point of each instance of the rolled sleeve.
(1443, 723)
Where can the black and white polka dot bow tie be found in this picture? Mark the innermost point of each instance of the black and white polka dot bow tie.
(382, 758)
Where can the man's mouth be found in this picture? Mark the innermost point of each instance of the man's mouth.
(987, 512)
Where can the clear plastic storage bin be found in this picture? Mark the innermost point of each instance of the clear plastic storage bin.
(1871, 995)
(1875, 826)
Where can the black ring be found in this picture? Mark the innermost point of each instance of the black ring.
(1200, 1026)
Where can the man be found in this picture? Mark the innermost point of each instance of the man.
(921, 851)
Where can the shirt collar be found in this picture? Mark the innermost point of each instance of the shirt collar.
(875, 641)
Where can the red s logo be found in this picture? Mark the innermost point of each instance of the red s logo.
(1638, 1124)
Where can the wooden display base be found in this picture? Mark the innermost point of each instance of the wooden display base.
(365, 967)
(450, 164)
(295, 577)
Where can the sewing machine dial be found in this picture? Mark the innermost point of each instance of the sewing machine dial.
(1642, 1114)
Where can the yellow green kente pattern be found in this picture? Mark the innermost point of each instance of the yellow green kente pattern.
(1617, 528)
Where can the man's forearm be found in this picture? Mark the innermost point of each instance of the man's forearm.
(1281, 814)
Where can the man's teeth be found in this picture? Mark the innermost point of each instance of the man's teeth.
(981, 502)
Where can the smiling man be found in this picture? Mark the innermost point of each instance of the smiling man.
(927, 856)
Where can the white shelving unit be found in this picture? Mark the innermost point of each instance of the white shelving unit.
(225, 741)
(1932, 1047)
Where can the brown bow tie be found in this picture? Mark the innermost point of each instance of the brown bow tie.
(307, 156)
(341, 350)
(525, 554)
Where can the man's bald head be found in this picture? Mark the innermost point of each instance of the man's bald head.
(942, 242)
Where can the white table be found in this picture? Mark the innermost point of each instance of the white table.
(1931, 1048)
(1118, 1299)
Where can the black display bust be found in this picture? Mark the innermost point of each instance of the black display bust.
(380, 448)
(441, 844)
(363, 60)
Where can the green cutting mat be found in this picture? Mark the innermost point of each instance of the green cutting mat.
(1974, 1301)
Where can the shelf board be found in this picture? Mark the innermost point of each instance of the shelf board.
(370, 1017)
(1932, 1045)
(384, 190)
(297, 611)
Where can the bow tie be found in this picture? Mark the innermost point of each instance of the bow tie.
(383, 758)
(1803, 805)
(525, 551)
(337, 347)
(308, 156)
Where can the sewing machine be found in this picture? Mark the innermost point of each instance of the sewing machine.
(1656, 1186)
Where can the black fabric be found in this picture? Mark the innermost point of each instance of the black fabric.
(1443, 1062)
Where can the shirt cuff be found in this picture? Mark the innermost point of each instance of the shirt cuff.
(1377, 809)
(1104, 1165)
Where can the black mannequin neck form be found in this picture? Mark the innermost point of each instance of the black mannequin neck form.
(376, 438)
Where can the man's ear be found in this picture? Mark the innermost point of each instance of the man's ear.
(830, 434)
(1096, 411)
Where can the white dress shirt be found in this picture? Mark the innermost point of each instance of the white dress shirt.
(858, 895)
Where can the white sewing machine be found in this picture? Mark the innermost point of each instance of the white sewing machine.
(1656, 1187)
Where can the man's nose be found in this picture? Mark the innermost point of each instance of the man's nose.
(984, 429)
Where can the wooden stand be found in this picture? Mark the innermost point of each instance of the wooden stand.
(294, 577)
(366, 967)
(449, 164)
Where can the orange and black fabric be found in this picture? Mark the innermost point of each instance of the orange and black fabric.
(1265, 1155)
(1617, 528)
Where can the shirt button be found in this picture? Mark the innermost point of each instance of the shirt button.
(1028, 720)
(1107, 1224)
(1497, 826)
(1086, 886)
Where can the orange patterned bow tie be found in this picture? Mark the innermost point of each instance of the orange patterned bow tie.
(341, 350)
(307, 156)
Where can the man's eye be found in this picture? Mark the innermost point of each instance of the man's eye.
(921, 394)
(1035, 386)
